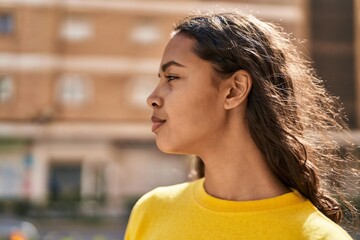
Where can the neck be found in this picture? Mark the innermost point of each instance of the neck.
(237, 170)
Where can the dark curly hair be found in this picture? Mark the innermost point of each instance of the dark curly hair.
(291, 117)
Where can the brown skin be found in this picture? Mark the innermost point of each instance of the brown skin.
(210, 122)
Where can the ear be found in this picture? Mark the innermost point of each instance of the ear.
(238, 89)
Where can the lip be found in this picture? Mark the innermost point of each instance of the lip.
(157, 123)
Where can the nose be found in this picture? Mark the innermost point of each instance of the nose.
(154, 101)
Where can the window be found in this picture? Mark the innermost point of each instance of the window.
(6, 23)
(76, 29)
(145, 33)
(73, 89)
(139, 89)
(11, 176)
(6, 88)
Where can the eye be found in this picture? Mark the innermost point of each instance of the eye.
(171, 77)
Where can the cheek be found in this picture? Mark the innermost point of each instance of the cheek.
(192, 112)
(190, 121)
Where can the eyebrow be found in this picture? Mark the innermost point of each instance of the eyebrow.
(170, 63)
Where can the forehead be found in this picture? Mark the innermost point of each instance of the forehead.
(179, 40)
(179, 49)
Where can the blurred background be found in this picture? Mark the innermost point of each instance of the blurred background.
(76, 150)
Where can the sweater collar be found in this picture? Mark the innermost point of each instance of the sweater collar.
(221, 205)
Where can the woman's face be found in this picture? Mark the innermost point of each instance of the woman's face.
(188, 112)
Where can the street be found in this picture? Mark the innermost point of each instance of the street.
(55, 229)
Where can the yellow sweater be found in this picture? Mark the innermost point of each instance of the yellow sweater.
(186, 211)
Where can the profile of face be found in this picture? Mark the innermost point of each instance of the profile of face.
(188, 111)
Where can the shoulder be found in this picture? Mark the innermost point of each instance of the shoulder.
(152, 209)
(318, 226)
(164, 195)
(154, 206)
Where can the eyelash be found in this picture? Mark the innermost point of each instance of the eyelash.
(170, 78)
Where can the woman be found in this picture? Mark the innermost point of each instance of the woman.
(234, 92)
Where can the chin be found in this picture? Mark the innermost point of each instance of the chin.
(167, 147)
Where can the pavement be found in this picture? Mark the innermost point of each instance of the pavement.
(83, 229)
